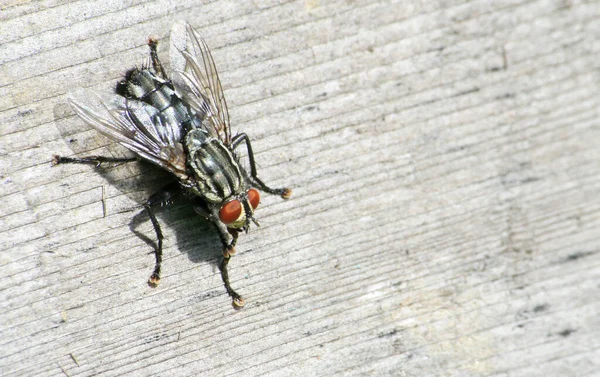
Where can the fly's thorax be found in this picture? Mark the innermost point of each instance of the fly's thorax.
(215, 169)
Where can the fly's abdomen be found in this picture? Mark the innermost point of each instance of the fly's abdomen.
(216, 170)
(165, 107)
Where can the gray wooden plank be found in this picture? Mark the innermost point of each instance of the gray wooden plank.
(444, 160)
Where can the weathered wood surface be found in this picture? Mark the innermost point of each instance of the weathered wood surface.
(445, 160)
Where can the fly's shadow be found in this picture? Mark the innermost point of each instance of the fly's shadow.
(138, 181)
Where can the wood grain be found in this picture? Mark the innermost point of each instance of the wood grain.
(445, 165)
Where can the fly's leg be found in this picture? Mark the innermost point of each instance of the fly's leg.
(163, 197)
(228, 251)
(238, 301)
(91, 160)
(158, 68)
(225, 234)
(285, 193)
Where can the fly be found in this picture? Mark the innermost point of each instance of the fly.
(181, 124)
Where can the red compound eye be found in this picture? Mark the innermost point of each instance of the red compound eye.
(230, 212)
(253, 197)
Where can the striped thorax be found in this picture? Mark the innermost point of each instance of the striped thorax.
(215, 169)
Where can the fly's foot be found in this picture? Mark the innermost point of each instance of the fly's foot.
(238, 302)
(286, 193)
(153, 280)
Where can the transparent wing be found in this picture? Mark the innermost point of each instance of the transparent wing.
(196, 79)
(131, 124)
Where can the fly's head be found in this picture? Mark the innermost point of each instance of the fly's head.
(238, 212)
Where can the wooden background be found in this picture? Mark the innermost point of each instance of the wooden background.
(445, 160)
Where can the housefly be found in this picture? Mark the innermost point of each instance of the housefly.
(181, 123)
